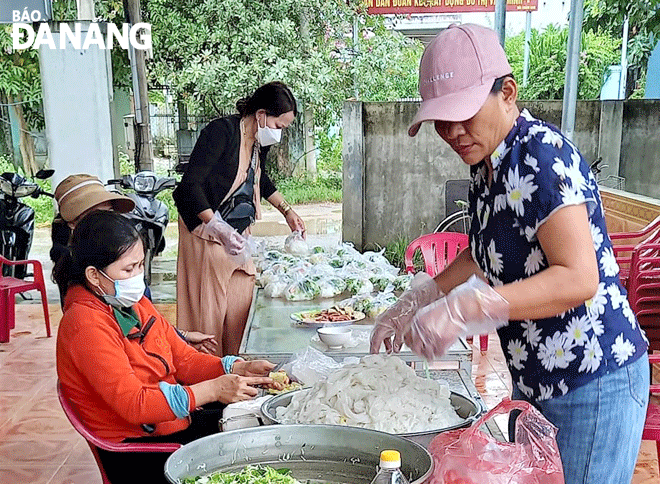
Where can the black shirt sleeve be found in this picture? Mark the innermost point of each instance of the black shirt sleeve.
(266, 186)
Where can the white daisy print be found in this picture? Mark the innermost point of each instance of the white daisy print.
(597, 236)
(519, 189)
(570, 195)
(552, 138)
(532, 162)
(628, 313)
(545, 392)
(527, 391)
(532, 333)
(526, 114)
(576, 331)
(593, 354)
(608, 262)
(576, 176)
(495, 258)
(616, 297)
(556, 352)
(518, 353)
(559, 167)
(534, 261)
(596, 305)
(597, 325)
(622, 349)
(500, 203)
(563, 387)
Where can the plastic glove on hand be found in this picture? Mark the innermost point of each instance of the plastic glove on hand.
(471, 308)
(393, 324)
(233, 242)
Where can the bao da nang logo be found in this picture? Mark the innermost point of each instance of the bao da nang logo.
(82, 36)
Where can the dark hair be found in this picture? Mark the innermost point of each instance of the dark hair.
(497, 84)
(98, 240)
(275, 97)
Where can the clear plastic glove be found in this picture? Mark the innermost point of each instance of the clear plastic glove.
(394, 323)
(471, 308)
(233, 242)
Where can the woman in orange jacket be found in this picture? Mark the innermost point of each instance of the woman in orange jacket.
(131, 377)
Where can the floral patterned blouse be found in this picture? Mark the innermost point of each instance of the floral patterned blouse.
(537, 171)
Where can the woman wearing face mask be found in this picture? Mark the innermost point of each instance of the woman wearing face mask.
(218, 199)
(130, 376)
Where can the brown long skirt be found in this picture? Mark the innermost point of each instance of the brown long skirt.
(213, 293)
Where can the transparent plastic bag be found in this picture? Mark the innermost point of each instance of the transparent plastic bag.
(310, 365)
(295, 244)
(471, 456)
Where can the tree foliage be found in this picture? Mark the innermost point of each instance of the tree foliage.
(214, 52)
(547, 62)
(644, 24)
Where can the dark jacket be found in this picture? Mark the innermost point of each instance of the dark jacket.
(212, 170)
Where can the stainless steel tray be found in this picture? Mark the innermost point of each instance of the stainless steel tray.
(315, 453)
(465, 407)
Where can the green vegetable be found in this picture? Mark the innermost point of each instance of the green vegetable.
(249, 475)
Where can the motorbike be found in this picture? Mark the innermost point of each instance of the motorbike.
(150, 215)
(17, 218)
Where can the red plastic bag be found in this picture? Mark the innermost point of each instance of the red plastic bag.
(471, 456)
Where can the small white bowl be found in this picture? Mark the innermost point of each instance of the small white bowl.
(334, 337)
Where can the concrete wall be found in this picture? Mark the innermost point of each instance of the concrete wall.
(394, 185)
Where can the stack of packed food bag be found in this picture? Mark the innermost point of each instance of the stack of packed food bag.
(300, 273)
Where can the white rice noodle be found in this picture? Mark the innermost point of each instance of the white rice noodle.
(380, 393)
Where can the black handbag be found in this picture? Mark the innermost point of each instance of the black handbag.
(238, 210)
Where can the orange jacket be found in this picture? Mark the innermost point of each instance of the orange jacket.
(113, 380)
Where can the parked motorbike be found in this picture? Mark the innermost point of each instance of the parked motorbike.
(17, 218)
(150, 215)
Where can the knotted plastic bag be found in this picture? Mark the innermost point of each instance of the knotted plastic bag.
(472, 456)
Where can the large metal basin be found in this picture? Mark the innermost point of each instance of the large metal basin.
(315, 453)
(466, 408)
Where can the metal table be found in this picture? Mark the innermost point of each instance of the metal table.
(270, 333)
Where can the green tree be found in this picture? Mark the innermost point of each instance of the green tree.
(20, 87)
(547, 62)
(644, 26)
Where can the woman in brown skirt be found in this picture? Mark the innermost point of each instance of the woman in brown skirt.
(218, 199)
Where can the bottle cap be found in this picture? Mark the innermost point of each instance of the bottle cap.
(390, 459)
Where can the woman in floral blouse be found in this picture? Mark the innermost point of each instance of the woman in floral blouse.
(540, 267)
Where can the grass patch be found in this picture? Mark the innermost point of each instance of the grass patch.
(326, 187)
(395, 253)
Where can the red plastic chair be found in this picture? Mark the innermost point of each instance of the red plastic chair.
(10, 286)
(644, 290)
(438, 250)
(625, 242)
(652, 423)
(96, 442)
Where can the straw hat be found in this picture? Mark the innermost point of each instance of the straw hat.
(76, 194)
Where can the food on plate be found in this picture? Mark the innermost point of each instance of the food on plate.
(380, 393)
(249, 475)
(332, 315)
(280, 376)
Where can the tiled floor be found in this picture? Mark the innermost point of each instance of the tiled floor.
(39, 446)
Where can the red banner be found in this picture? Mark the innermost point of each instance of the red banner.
(445, 6)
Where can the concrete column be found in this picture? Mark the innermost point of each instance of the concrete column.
(353, 177)
(609, 136)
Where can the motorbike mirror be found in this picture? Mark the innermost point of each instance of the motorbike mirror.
(43, 174)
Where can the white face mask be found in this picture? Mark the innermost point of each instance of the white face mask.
(268, 136)
(127, 291)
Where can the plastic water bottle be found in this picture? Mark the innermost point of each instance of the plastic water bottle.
(390, 469)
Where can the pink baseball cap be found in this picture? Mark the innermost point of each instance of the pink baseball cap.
(457, 72)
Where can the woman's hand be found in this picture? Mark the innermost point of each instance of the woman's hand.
(204, 343)
(257, 368)
(236, 388)
(252, 368)
(295, 222)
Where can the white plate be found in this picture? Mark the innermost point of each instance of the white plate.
(303, 318)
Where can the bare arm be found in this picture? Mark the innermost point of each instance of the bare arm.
(458, 271)
(572, 276)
